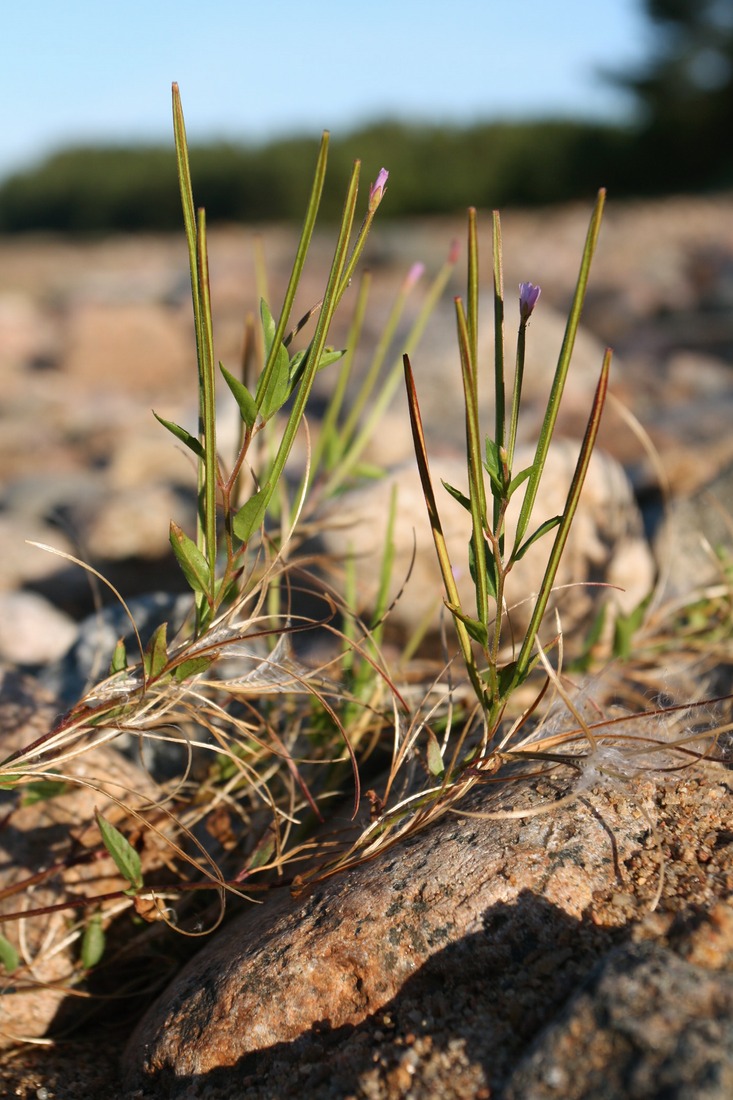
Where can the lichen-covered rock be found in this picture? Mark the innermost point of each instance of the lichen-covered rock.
(648, 1024)
(341, 951)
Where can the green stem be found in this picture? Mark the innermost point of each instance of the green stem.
(561, 538)
(558, 384)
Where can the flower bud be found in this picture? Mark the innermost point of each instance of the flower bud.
(377, 189)
(528, 295)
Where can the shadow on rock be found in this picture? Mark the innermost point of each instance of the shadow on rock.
(468, 1013)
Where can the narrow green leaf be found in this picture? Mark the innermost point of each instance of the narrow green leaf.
(244, 399)
(457, 495)
(155, 657)
(119, 658)
(509, 679)
(518, 480)
(249, 519)
(476, 629)
(192, 667)
(576, 486)
(125, 858)
(303, 246)
(250, 516)
(626, 627)
(492, 580)
(93, 942)
(208, 468)
(8, 955)
(495, 469)
(42, 790)
(193, 564)
(476, 488)
(561, 371)
(273, 388)
(499, 386)
(548, 525)
(297, 363)
(183, 434)
(493, 460)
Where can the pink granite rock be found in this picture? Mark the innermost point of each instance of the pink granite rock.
(334, 955)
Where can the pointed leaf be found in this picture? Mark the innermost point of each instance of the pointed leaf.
(192, 667)
(119, 658)
(244, 399)
(125, 858)
(93, 942)
(42, 790)
(155, 657)
(548, 525)
(626, 626)
(250, 516)
(457, 495)
(193, 564)
(297, 363)
(476, 629)
(494, 467)
(8, 955)
(518, 480)
(185, 436)
(509, 679)
(273, 388)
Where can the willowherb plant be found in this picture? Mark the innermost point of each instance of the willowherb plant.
(490, 557)
(458, 748)
(269, 762)
(280, 737)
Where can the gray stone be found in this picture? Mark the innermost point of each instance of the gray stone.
(648, 1026)
(695, 540)
(33, 631)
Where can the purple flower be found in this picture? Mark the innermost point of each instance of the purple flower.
(528, 295)
(377, 189)
(413, 276)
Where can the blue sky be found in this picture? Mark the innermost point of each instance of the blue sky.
(80, 70)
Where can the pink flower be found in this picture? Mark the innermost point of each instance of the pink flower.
(528, 295)
(414, 275)
(377, 189)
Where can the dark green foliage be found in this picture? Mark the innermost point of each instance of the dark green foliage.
(433, 170)
(685, 95)
(678, 143)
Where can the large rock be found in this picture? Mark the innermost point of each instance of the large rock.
(695, 540)
(288, 980)
(140, 346)
(32, 630)
(648, 1025)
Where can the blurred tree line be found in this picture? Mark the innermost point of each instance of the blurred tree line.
(679, 141)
